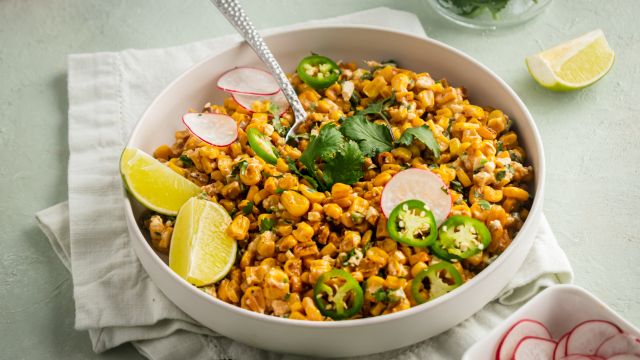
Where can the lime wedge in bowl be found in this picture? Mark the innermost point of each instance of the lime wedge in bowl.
(573, 65)
(201, 251)
(153, 184)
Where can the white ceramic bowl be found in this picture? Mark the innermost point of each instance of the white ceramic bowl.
(353, 337)
(560, 308)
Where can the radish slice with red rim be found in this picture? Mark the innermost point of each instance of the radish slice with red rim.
(587, 336)
(534, 348)
(624, 357)
(619, 344)
(561, 347)
(248, 80)
(517, 332)
(579, 357)
(214, 129)
(278, 100)
(417, 184)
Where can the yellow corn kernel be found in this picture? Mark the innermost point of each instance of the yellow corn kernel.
(271, 185)
(252, 174)
(509, 204)
(394, 282)
(509, 138)
(287, 243)
(253, 299)
(326, 106)
(462, 126)
(303, 232)
(296, 204)
(329, 250)
(478, 212)
(359, 205)
(266, 246)
(382, 178)
(276, 284)
(163, 152)
(378, 308)
(350, 241)
(472, 111)
(377, 255)
(419, 266)
(282, 165)
(426, 99)
(463, 177)
(253, 190)
(227, 204)
(259, 196)
(373, 88)
(288, 182)
(333, 211)
(311, 310)
(310, 193)
(400, 82)
(296, 315)
(395, 168)
(490, 194)
(292, 152)
(239, 227)
(339, 190)
(516, 193)
(176, 168)
(402, 153)
(487, 133)
(461, 209)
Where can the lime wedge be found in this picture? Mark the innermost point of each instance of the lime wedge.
(201, 251)
(153, 184)
(573, 65)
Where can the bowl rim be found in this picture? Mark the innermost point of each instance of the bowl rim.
(536, 207)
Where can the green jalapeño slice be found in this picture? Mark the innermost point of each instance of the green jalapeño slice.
(412, 223)
(318, 71)
(434, 281)
(262, 146)
(461, 237)
(338, 295)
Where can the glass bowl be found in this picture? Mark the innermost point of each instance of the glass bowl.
(489, 14)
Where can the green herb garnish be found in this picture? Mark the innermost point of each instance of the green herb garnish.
(424, 135)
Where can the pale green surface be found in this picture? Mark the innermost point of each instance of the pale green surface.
(590, 137)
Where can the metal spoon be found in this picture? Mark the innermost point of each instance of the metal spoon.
(233, 11)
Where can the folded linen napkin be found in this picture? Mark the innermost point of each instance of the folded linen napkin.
(108, 92)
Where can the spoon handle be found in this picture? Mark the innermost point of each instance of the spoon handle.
(233, 11)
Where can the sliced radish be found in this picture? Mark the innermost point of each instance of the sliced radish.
(214, 129)
(619, 344)
(561, 347)
(278, 100)
(587, 336)
(534, 348)
(517, 332)
(417, 184)
(624, 357)
(247, 80)
(579, 357)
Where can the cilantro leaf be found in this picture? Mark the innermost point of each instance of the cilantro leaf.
(294, 169)
(247, 208)
(186, 161)
(484, 204)
(380, 295)
(323, 147)
(266, 224)
(276, 122)
(423, 134)
(372, 138)
(346, 166)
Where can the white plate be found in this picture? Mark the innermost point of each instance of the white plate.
(559, 308)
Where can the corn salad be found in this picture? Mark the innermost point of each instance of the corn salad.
(289, 233)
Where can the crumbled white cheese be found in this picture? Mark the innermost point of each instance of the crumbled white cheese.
(424, 82)
(355, 259)
(268, 129)
(347, 90)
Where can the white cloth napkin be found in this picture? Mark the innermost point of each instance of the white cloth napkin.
(115, 299)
